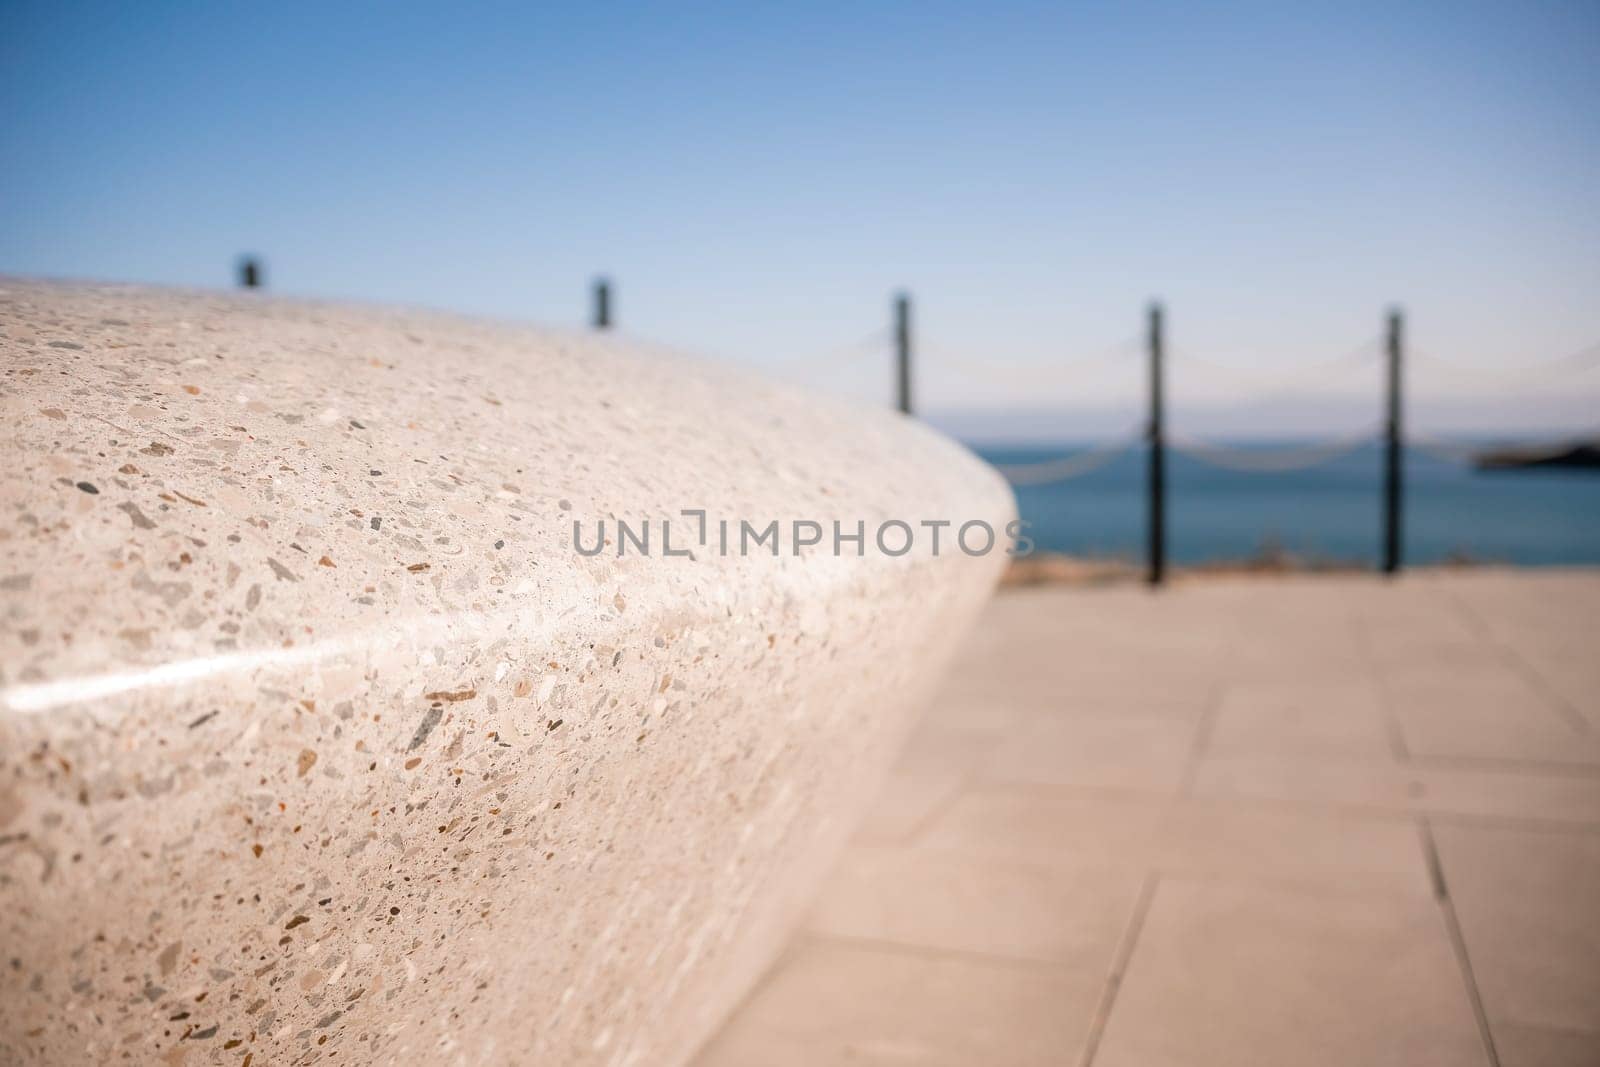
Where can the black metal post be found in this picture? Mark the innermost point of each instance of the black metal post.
(1392, 457)
(249, 272)
(602, 304)
(902, 348)
(1158, 456)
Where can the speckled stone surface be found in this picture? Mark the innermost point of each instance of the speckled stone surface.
(319, 741)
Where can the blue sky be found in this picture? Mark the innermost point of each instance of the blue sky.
(759, 177)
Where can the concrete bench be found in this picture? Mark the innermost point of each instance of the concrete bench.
(319, 733)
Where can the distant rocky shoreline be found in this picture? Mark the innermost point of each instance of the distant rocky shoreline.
(1058, 568)
(1581, 454)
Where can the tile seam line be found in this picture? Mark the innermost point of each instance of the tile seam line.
(1120, 963)
(917, 836)
(1458, 941)
(1031, 965)
(1393, 730)
(1200, 742)
(1227, 803)
(1522, 668)
(1529, 823)
(1511, 765)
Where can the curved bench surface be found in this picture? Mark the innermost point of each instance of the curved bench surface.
(317, 735)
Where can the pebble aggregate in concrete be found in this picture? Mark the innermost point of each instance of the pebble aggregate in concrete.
(318, 741)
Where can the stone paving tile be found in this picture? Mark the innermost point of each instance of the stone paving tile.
(1532, 614)
(1051, 824)
(1543, 626)
(1529, 906)
(1507, 794)
(1572, 678)
(1485, 712)
(1289, 845)
(937, 762)
(1557, 610)
(1386, 785)
(1235, 976)
(1116, 640)
(1294, 654)
(1325, 781)
(1137, 752)
(1098, 693)
(908, 800)
(1005, 906)
(1215, 839)
(1024, 682)
(1267, 752)
(833, 1003)
(1422, 631)
(1342, 718)
(1542, 1046)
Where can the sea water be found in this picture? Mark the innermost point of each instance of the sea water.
(1330, 513)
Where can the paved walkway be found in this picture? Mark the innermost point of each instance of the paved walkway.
(1272, 821)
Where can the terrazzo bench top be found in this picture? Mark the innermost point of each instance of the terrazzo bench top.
(319, 735)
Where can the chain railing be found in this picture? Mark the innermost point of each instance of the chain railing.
(1578, 362)
(1364, 355)
(1390, 436)
(1072, 465)
(1262, 460)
